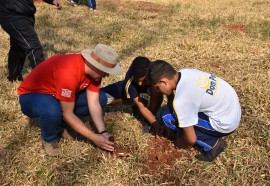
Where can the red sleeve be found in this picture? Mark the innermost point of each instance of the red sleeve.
(94, 86)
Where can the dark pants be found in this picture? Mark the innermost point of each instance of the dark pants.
(92, 4)
(206, 135)
(49, 112)
(23, 42)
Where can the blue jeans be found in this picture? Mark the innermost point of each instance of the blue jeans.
(207, 136)
(48, 110)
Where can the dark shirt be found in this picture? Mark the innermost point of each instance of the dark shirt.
(11, 10)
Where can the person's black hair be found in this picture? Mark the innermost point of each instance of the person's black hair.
(140, 66)
(160, 69)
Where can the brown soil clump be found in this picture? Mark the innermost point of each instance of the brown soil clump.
(161, 156)
(238, 27)
(121, 152)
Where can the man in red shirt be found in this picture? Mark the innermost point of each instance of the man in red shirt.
(64, 88)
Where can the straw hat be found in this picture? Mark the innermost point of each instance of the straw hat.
(104, 58)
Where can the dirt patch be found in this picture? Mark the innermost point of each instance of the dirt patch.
(121, 152)
(151, 7)
(238, 27)
(162, 151)
(118, 151)
(261, 3)
(161, 156)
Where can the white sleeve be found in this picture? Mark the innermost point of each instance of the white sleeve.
(186, 113)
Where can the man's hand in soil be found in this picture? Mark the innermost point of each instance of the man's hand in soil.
(162, 130)
(102, 141)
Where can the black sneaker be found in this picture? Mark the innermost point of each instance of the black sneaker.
(13, 79)
(212, 154)
(20, 77)
(198, 148)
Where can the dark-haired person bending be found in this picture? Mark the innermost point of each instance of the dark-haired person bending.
(130, 91)
(205, 107)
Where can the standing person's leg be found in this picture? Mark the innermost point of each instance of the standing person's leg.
(34, 50)
(49, 113)
(92, 4)
(16, 55)
(24, 35)
(16, 59)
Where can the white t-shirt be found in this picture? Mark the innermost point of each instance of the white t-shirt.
(199, 91)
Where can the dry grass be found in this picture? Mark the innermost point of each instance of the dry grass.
(228, 38)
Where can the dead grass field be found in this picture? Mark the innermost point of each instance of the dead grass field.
(225, 37)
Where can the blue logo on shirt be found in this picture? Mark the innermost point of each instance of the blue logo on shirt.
(207, 83)
(213, 84)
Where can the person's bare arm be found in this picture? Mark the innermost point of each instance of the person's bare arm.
(147, 114)
(188, 139)
(95, 110)
(156, 99)
(76, 124)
